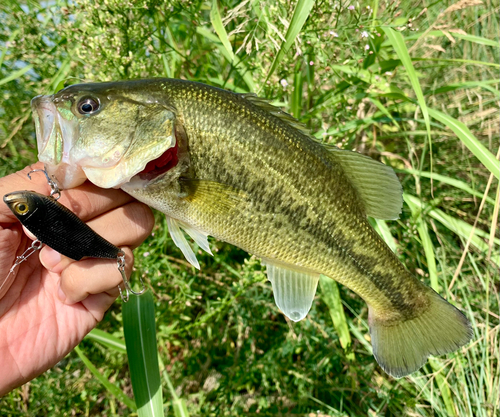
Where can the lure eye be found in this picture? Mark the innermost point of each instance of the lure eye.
(88, 105)
(21, 208)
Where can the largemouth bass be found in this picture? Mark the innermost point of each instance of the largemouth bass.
(237, 168)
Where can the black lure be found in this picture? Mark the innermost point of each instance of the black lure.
(58, 227)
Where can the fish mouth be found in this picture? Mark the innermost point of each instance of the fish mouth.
(55, 137)
(160, 165)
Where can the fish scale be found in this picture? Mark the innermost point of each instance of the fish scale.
(251, 175)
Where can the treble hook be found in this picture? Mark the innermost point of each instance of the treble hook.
(126, 283)
(54, 188)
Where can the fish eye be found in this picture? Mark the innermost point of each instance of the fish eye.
(21, 208)
(88, 105)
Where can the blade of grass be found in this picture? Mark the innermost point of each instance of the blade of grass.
(460, 61)
(16, 74)
(331, 296)
(383, 230)
(107, 340)
(6, 45)
(140, 338)
(237, 63)
(398, 43)
(494, 222)
(443, 386)
(179, 405)
(423, 232)
(469, 140)
(381, 107)
(112, 388)
(457, 226)
(464, 36)
(466, 84)
(216, 20)
(450, 181)
(300, 15)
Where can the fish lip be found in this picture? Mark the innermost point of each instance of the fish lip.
(44, 116)
(55, 137)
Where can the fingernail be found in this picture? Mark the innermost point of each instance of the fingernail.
(49, 258)
(61, 295)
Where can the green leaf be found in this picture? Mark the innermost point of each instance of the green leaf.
(237, 63)
(447, 180)
(300, 15)
(16, 74)
(331, 296)
(460, 61)
(469, 140)
(107, 340)
(140, 338)
(381, 107)
(457, 226)
(399, 46)
(179, 405)
(423, 232)
(467, 84)
(216, 20)
(12, 36)
(112, 388)
(464, 36)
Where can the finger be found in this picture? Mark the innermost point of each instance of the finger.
(93, 276)
(128, 225)
(98, 304)
(86, 201)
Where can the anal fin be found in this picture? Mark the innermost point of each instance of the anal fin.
(293, 290)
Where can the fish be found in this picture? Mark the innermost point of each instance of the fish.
(237, 168)
(58, 227)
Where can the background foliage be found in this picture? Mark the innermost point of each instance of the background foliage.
(222, 340)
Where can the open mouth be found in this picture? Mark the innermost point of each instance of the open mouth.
(160, 165)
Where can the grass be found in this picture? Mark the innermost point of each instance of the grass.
(353, 77)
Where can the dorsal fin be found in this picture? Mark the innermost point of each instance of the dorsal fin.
(377, 184)
(264, 104)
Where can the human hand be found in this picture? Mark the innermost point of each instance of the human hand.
(50, 302)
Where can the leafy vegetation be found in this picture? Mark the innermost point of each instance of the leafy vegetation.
(415, 85)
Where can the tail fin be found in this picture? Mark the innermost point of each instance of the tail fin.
(403, 347)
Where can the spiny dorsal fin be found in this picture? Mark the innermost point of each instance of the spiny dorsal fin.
(264, 104)
(377, 184)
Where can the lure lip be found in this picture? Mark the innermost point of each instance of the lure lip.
(13, 197)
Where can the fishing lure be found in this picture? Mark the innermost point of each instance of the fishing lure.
(59, 228)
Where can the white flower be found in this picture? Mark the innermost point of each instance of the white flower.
(367, 47)
(284, 83)
(335, 34)
(364, 34)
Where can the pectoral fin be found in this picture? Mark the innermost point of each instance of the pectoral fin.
(293, 290)
(212, 196)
